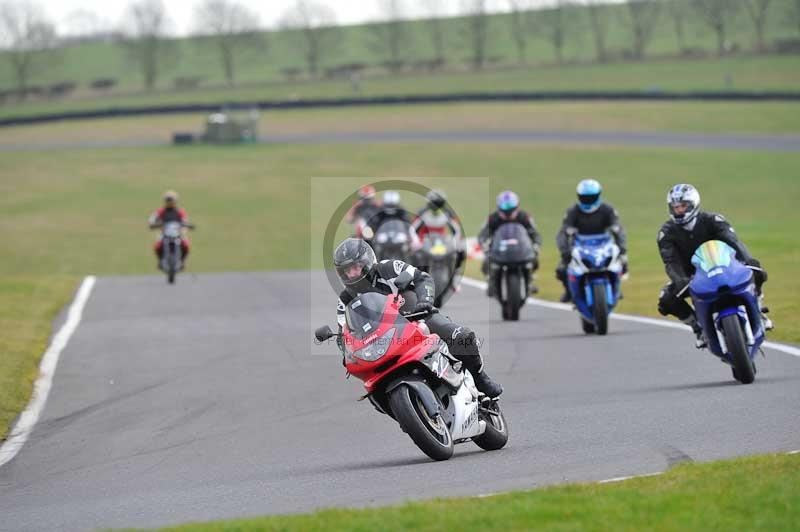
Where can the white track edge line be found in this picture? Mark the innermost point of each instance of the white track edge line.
(621, 479)
(475, 283)
(47, 367)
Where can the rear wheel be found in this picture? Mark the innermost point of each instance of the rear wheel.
(514, 297)
(743, 369)
(496, 434)
(600, 308)
(431, 435)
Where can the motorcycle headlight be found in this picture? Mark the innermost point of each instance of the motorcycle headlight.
(382, 238)
(377, 348)
(399, 238)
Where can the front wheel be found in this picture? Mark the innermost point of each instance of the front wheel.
(600, 308)
(431, 435)
(496, 435)
(743, 369)
(514, 297)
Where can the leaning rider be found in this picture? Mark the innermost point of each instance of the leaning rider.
(360, 273)
(678, 239)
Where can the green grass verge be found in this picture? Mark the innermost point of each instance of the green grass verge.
(66, 214)
(695, 117)
(757, 493)
(28, 304)
(754, 73)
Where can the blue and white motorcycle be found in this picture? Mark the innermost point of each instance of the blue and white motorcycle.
(594, 276)
(726, 304)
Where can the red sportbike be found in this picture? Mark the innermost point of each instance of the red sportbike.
(410, 375)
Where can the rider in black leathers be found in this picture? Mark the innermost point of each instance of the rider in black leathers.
(508, 211)
(589, 216)
(360, 272)
(390, 209)
(678, 239)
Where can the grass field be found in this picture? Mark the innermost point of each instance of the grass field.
(712, 117)
(758, 493)
(745, 72)
(84, 212)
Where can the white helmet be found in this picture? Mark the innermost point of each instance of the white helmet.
(687, 196)
(391, 198)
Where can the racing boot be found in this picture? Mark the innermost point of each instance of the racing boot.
(700, 338)
(490, 289)
(768, 325)
(566, 297)
(485, 384)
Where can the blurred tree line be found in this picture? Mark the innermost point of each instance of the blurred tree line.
(231, 33)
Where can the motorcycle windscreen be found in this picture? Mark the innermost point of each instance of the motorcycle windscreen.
(712, 255)
(593, 241)
(393, 232)
(364, 314)
(511, 244)
(717, 270)
(172, 229)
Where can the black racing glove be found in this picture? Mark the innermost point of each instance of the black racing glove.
(423, 306)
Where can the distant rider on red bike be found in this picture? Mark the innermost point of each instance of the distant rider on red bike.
(363, 209)
(360, 272)
(169, 212)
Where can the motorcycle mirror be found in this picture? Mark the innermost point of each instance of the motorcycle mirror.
(323, 333)
(403, 281)
(367, 233)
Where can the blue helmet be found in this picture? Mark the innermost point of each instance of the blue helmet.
(507, 202)
(589, 191)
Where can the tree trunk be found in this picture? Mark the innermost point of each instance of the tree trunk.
(227, 63)
(598, 31)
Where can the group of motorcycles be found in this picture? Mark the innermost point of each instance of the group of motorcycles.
(434, 253)
(595, 274)
(410, 375)
(722, 291)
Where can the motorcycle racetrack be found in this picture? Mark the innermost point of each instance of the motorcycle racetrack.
(215, 403)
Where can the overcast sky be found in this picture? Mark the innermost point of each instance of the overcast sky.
(182, 11)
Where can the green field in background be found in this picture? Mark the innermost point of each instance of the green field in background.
(753, 73)
(755, 493)
(712, 117)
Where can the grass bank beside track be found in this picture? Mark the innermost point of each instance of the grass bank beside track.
(740, 73)
(70, 213)
(755, 493)
(694, 117)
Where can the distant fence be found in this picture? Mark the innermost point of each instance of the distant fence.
(403, 100)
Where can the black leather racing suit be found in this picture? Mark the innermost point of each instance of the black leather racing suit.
(495, 220)
(576, 221)
(677, 244)
(460, 339)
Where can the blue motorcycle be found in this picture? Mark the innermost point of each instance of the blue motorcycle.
(594, 276)
(727, 308)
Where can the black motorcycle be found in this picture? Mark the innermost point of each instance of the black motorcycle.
(438, 256)
(392, 240)
(511, 258)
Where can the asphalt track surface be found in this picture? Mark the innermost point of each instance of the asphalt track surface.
(785, 143)
(209, 399)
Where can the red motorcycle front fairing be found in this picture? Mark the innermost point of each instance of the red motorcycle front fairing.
(408, 345)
